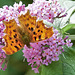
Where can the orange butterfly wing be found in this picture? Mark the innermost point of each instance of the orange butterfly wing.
(13, 42)
(37, 29)
(41, 32)
(27, 22)
(28, 31)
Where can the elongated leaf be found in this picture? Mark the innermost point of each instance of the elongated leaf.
(53, 69)
(67, 27)
(71, 31)
(68, 60)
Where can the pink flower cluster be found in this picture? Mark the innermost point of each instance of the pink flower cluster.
(46, 51)
(8, 13)
(2, 59)
(1, 33)
(43, 52)
(43, 9)
(47, 10)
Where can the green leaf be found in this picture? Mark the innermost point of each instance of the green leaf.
(11, 2)
(67, 27)
(16, 66)
(65, 66)
(6, 2)
(26, 2)
(31, 72)
(16, 62)
(55, 68)
(71, 31)
(68, 60)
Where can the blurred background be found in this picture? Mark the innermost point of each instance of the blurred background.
(11, 2)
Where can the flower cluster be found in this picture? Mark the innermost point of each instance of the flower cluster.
(6, 14)
(46, 51)
(1, 33)
(43, 52)
(47, 10)
(2, 59)
(43, 9)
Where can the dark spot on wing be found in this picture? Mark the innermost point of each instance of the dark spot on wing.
(37, 26)
(41, 31)
(38, 30)
(39, 36)
(9, 26)
(34, 33)
(32, 23)
(10, 38)
(27, 18)
(20, 45)
(35, 38)
(12, 41)
(16, 47)
(16, 41)
(14, 30)
(15, 35)
(31, 29)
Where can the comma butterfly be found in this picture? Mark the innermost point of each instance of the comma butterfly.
(28, 31)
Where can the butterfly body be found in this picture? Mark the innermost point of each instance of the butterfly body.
(29, 30)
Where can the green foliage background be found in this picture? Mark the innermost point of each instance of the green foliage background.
(65, 66)
(11, 2)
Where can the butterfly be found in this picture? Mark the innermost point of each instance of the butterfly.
(29, 30)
